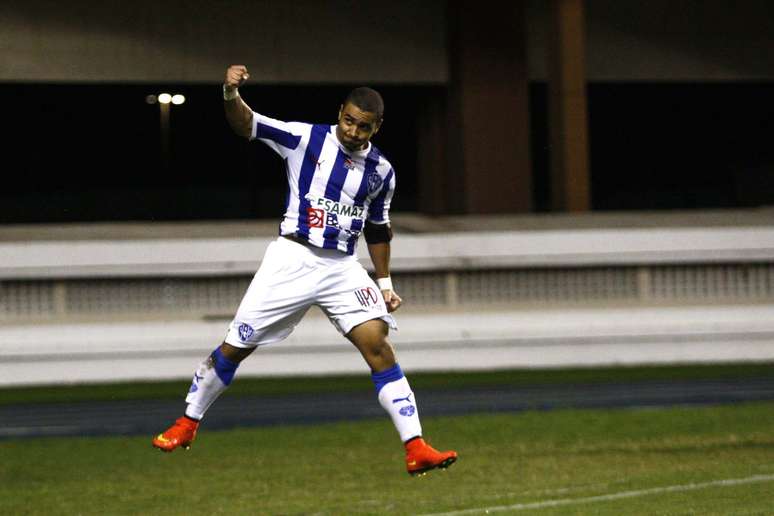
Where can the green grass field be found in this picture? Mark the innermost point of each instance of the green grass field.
(559, 460)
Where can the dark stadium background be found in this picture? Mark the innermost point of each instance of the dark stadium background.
(88, 152)
(588, 287)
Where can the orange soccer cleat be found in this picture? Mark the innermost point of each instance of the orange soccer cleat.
(421, 457)
(182, 433)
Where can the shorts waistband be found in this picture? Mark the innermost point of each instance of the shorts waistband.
(318, 251)
(294, 238)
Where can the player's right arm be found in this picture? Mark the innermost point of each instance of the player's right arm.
(282, 137)
(238, 113)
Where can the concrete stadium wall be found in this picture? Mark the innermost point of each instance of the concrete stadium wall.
(181, 41)
(463, 337)
(440, 251)
(377, 42)
(425, 341)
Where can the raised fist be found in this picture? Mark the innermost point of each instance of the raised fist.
(236, 75)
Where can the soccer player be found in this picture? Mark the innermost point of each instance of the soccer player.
(339, 186)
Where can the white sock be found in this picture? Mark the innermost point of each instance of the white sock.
(398, 400)
(210, 380)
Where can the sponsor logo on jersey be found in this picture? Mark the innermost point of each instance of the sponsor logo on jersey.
(374, 182)
(335, 207)
(315, 217)
(367, 297)
(245, 332)
(348, 164)
(407, 411)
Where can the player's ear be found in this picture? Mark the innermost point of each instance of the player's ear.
(378, 125)
(341, 108)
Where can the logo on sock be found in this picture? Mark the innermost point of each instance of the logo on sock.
(245, 332)
(407, 411)
(407, 398)
(194, 384)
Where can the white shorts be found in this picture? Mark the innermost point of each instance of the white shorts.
(293, 277)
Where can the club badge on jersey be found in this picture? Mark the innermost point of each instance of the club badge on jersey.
(374, 182)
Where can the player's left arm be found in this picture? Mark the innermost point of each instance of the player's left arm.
(378, 234)
(378, 238)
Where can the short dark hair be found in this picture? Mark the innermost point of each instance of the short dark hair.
(366, 99)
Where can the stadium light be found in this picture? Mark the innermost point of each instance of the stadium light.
(164, 100)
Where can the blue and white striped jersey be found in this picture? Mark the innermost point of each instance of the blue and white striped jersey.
(331, 191)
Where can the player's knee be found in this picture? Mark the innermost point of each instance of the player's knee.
(234, 353)
(382, 350)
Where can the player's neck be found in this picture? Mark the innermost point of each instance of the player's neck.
(364, 150)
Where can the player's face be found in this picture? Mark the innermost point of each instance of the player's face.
(356, 127)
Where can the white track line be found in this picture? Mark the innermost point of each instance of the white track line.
(615, 496)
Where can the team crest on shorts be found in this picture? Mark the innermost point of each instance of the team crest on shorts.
(374, 182)
(245, 332)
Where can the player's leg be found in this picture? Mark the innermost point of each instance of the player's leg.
(370, 338)
(257, 322)
(392, 387)
(396, 397)
(213, 376)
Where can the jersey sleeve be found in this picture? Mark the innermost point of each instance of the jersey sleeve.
(281, 137)
(379, 211)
